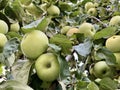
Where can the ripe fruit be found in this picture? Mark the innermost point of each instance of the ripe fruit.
(115, 20)
(87, 29)
(92, 11)
(47, 67)
(112, 43)
(3, 40)
(34, 44)
(3, 27)
(117, 55)
(72, 31)
(89, 5)
(65, 29)
(53, 10)
(15, 27)
(101, 70)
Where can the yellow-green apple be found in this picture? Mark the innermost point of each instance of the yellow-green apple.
(65, 29)
(3, 40)
(87, 29)
(3, 27)
(71, 31)
(34, 44)
(112, 43)
(89, 5)
(117, 55)
(101, 70)
(47, 67)
(15, 27)
(53, 10)
(115, 20)
(92, 11)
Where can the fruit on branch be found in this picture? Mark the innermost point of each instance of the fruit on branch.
(15, 27)
(71, 31)
(3, 40)
(47, 67)
(101, 70)
(3, 27)
(34, 44)
(53, 10)
(89, 5)
(115, 20)
(92, 11)
(112, 43)
(87, 29)
(65, 29)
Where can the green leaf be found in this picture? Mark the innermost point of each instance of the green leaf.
(92, 86)
(82, 85)
(107, 84)
(21, 70)
(14, 34)
(64, 68)
(73, 1)
(109, 31)
(55, 47)
(3, 4)
(63, 42)
(14, 85)
(83, 49)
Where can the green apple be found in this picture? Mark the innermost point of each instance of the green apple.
(71, 31)
(92, 11)
(34, 44)
(115, 20)
(15, 27)
(3, 40)
(47, 67)
(53, 10)
(65, 29)
(87, 29)
(3, 27)
(117, 55)
(96, 4)
(112, 43)
(89, 5)
(101, 70)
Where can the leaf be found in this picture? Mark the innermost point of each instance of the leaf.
(73, 1)
(21, 70)
(8, 50)
(83, 49)
(105, 32)
(55, 47)
(107, 84)
(40, 24)
(92, 86)
(3, 4)
(63, 42)
(14, 85)
(14, 34)
(64, 68)
(64, 6)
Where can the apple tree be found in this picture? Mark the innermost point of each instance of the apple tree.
(59, 45)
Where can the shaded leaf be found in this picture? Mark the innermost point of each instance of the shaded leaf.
(92, 86)
(14, 85)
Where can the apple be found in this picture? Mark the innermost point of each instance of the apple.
(96, 4)
(92, 11)
(34, 44)
(117, 55)
(89, 5)
(87, 29)
(53, 10)
(112, 43)
(101, 70)
(71, 31)
(65, 29)
(115, 20)
(47, 67)
(3, 27)
(15, 27)
(3, 40)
